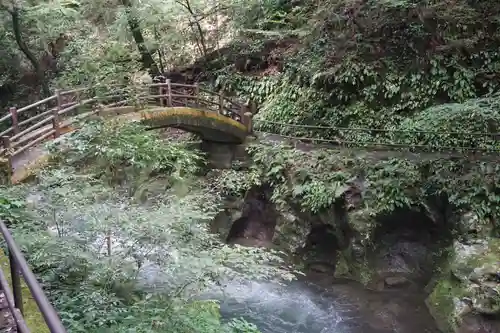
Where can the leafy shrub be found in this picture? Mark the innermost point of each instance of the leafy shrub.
(448, 120)
(121, 150)
(112, 264)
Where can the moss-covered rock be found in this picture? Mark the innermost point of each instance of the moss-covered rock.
(467, 295)
(352, 265)
(445, 305)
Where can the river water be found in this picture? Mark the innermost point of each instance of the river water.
(345, 307)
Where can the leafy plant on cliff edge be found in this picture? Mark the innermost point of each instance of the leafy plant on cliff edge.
(314, 179)
(363, 76)
(477, 116)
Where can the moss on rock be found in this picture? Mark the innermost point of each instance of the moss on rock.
(443, 303)
(470, 285)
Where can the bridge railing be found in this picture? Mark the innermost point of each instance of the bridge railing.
(13, 296)
(28, 126)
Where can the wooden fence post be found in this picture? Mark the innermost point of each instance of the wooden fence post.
(77, 96)
(55, 115)
(162, 91)
(253, 106)
(108, 242)
(221, 102)
(169, 93)
(15, 121)
(247, 121)
(8, 154)
(99, 108)
(196, 94)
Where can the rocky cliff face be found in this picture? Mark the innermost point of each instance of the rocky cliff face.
(403, 250)
(425, 243)
(257, 223)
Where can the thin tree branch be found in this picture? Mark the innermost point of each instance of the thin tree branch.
(187, 5)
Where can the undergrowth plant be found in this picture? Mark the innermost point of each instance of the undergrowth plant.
(111, 263)
(126, 153)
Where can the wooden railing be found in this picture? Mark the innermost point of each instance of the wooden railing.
(19, 268)
(25, 127)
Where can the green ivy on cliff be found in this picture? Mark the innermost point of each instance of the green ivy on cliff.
(376, 65)
(313, 180)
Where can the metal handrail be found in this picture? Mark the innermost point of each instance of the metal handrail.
(18, 267)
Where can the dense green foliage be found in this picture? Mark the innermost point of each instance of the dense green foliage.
(402, 72)
(381, 65)
(316, 178)
(126, 153)
(113, 262)
(403, 75)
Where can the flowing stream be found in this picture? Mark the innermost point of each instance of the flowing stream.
(303, 307)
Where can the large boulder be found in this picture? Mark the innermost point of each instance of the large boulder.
(466, 298)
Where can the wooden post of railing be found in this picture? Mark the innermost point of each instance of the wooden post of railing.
(77, 96)
(253, 106)
(108, 242)
(16, 283)
(246, 117)
(196, 95)
(169, 94)
(99, 109)
(221, 102)
(55, 115)
(162, 91)
(8, 155)
(15, 121)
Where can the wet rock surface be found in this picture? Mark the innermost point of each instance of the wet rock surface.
(391, 252)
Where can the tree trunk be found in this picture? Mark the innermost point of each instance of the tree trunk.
(160, 53)
(40, 75)
(146, 58)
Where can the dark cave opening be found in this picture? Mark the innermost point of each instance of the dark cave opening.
(407, 246)
(320, 249)
(409, 224)
(257, 224)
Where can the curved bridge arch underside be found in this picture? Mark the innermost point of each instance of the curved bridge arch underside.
(210, 126)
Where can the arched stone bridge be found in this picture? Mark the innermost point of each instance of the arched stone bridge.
(213, 116)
